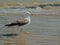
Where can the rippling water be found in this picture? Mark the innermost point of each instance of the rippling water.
(44, 28)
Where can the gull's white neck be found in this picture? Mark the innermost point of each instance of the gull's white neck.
(27, 16)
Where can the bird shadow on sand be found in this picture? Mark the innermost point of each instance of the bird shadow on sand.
(21, 40)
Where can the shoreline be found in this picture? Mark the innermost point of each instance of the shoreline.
(21, 4)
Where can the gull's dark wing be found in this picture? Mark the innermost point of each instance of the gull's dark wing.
(12, 24)
(19, 23)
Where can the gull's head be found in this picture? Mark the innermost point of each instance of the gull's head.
(27, 16)
(28, 13)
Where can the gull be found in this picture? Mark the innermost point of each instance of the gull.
(23, 22)
(20, 23)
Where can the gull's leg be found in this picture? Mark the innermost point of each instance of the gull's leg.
(21, 29)
(3, 28)
(24, 31)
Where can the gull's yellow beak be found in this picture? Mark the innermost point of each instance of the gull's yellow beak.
(30, 13)
(33, 14)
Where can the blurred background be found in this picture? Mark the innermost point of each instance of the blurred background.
(45, 22)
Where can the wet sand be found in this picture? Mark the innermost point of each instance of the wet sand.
(44, 30)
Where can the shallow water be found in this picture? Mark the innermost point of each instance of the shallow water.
(44, 28)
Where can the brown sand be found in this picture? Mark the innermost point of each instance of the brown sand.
(20, 41)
